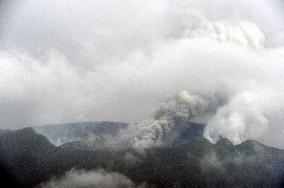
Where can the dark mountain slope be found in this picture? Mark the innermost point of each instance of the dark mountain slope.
(28, 159)
(21, 151)
(3, 131)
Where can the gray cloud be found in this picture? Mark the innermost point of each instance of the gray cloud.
(117, 60)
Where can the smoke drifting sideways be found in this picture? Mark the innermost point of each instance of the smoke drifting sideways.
(117, 60)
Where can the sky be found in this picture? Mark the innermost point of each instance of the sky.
(119, 60)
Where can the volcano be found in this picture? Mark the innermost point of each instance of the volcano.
(29, 159)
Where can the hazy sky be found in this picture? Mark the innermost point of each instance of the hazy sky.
(86, 60)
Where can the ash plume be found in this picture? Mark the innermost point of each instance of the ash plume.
(118, 60)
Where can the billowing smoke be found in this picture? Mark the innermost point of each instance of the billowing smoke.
(118, 60)
(167, 123)
(241, 119)
(91, 179)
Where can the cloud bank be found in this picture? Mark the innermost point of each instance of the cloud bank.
(91, 179)
(118, 60)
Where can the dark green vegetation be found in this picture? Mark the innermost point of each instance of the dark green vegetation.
(27, 159)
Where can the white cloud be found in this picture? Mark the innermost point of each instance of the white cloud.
(91, 179)
(117, 60)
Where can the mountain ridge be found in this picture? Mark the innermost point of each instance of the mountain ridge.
(30, 159)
